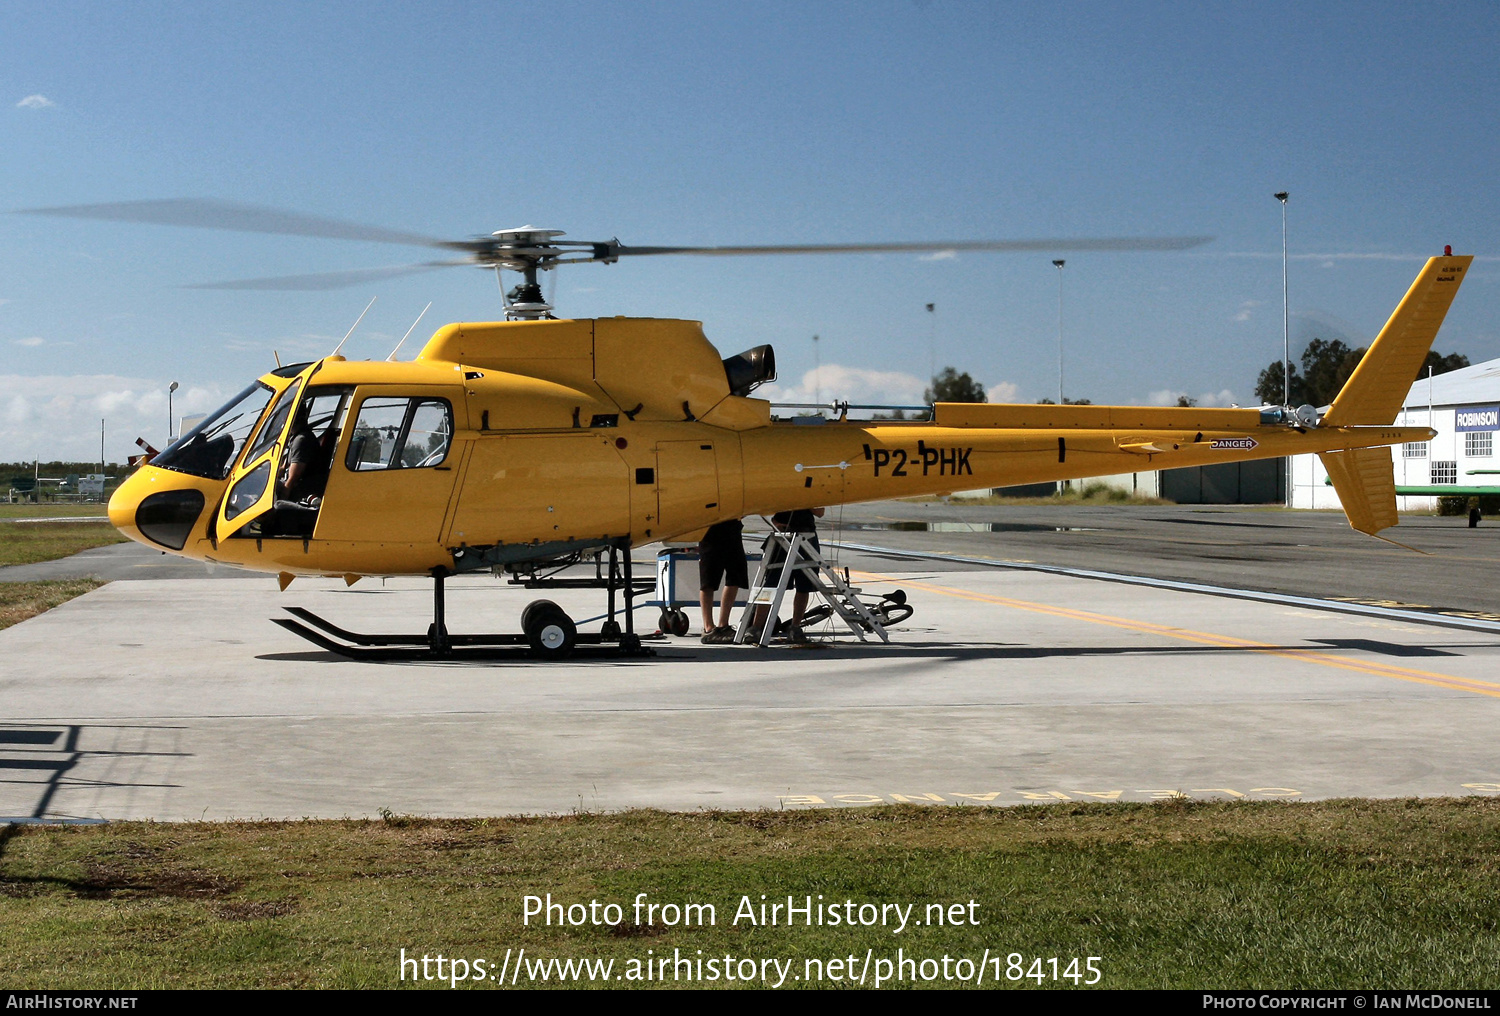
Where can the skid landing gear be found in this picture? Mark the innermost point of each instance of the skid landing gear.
(547, 632)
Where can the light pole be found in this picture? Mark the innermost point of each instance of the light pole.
(1058, 264)
(170, 389)
(1286, 346)
(932, 340)
(1286, 337)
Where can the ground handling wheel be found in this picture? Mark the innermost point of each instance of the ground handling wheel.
(532, 608)
(550, 632)
(673, 622)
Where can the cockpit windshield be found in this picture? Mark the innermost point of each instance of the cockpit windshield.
(209, 449)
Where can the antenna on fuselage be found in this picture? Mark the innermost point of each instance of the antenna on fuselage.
(354, 326)
(410, 330)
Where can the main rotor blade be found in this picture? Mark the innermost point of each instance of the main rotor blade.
(328, 280)
(208, 214)
(1106, 243)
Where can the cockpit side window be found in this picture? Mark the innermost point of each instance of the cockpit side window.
(211, 448)
(275, 423)
(395, 433)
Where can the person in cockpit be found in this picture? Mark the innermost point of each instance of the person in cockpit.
(305, 474)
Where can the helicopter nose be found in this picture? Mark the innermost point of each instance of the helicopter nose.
(157, 507)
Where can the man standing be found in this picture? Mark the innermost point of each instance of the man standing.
(804, 521)
(721, 555)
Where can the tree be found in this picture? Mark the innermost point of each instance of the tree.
(1066, 402)
(948, 385)
(1183, 402)
(1326, 365)
(1442, 364)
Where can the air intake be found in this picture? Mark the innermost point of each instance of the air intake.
(751, 368)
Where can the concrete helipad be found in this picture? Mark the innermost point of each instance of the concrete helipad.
(178, 699)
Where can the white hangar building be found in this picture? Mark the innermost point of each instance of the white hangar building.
(1463, 406)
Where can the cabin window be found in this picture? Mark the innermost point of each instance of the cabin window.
(400, 434)
(310, 444)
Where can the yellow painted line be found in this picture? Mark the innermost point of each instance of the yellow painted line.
(1208, 638)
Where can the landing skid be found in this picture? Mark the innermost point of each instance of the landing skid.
(361, 639)
(396, 648)
(547, 631)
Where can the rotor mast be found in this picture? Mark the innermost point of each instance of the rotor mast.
(526, 250)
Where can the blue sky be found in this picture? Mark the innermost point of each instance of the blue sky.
(736, 123)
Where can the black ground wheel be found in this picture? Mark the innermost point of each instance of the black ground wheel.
(532, 608)
(550, 632)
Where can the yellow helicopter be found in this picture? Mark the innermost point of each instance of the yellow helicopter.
(525, 445)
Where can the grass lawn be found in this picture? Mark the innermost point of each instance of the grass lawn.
(23, 542)
(20, 600)
(51, 510)
(1174, 894)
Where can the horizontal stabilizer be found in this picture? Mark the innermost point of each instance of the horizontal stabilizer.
(1376, 390)
(1365, 480)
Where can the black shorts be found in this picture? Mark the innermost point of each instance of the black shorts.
(801, 581)
(722, 559)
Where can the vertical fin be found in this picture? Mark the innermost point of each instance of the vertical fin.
(1379, 385)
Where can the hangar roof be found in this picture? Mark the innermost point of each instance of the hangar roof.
(1476, 383)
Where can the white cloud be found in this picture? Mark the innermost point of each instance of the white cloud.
(1169, 397)
(31, 340)
(1002, 391)
(57, 417)
(1245, 310)
(848, 384)
(35, 102)
(17, 409)
(836, 382)
(939, 255)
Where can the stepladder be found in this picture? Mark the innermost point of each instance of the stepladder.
(789, 554)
